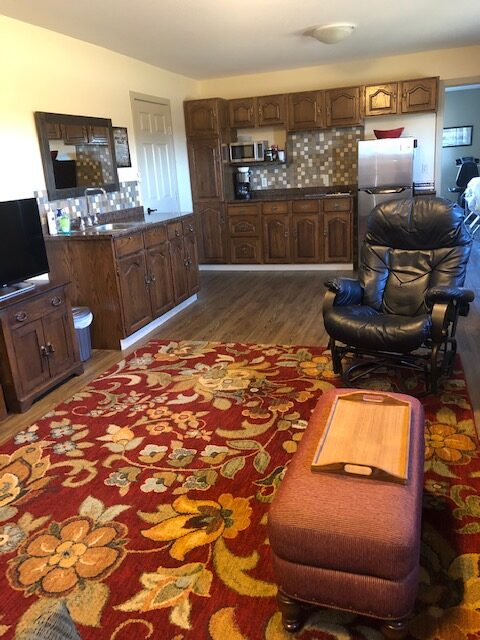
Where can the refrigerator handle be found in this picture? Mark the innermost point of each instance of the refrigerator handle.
(380, 191)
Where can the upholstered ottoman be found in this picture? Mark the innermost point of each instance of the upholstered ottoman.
(348, 542)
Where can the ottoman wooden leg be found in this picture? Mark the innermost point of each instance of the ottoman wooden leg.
(395, 630)
(291, 611)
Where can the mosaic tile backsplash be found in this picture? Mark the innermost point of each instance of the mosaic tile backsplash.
(315, 159)
(126, 198)
(94, 164)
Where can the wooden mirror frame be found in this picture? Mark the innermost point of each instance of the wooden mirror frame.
(42, 119)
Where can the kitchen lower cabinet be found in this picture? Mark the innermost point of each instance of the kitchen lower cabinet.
(38, 345)
(128, 280)
(337, 230)
(276, 238)
(306, 238)
(212, 231)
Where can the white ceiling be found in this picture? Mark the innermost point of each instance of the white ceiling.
(212, 38)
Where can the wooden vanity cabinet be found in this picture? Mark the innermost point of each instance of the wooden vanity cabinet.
(306, 110)
(38, 345)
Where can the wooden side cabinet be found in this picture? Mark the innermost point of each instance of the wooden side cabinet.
(38, 346)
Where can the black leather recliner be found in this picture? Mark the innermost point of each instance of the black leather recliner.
(405, 304)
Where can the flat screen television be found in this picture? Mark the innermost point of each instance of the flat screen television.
(22, 247)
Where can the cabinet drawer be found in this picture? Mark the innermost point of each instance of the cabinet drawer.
(174, 230)
(337, 204)
(244, 226)
(242, 209)
(275, 207)
(154, 236)
(128, 244)
(188, 226)
(21, 313)
(306, 206)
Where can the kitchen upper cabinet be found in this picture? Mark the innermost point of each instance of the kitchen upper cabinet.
(258, 112)
(343, 107)
(419, 95)
(381, 99)
(75, 134)
(276, 238)
(202, 118)
(212, 231)
(306, 110)
(205, 161)
(98, 134)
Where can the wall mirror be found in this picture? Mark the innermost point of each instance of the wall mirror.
(77, 152)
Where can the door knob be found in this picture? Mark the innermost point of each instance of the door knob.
(149, 211)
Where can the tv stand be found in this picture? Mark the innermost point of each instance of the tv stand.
(15, 289)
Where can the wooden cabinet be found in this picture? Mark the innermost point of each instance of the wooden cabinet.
(337, 230)
(205, 161)
(202, 118)
(98, 135)
(245, 233)
(276, 238)
(409, 96)
(342, 107)
(143, 275)
(306, 231)
(38, 346)
(419, 95)
(75, 134)
(212, 231)
(306, 110)
(257, 112)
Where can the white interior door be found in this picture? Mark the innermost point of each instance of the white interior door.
(152, 122)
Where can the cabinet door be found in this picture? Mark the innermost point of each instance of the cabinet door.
(75, 134)
(205, 169)
(211, 220)
(191, 257)
(31, 358)
(305, 232)
(160, 286)
(306, 110)
(381, 99)
(271, 110)
(58, 342)
(201, 118)
(276, 238)
(343, 107)
(54, 131)
(242, 112)
(419, 95)
(97, 135)
(245, 251)
(337, 236)
(179, 270)
(135, 300)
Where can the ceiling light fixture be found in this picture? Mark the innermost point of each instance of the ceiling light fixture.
(333, 33)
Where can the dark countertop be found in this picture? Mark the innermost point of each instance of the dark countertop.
(118, 225)
(261, 195)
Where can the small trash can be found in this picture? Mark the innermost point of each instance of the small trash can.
(82, 319)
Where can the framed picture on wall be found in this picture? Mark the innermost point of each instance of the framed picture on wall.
(457, 136)
(122, 150)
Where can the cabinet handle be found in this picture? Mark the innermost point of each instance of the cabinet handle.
(147, 279)
(152, 277)
(185, 263)
(177, 233)
(50, 348)
(21, 316)
(274, 208)
(43, 351)
(56, 301)
(325, 233)
(190, 227)
(259, 111)
(286, 233)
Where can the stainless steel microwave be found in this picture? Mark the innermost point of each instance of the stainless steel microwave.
(243, 152)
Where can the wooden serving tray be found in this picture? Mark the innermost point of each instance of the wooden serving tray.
(366, 434)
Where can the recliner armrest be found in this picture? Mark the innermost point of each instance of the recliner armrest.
(459, 295)
(347, 291)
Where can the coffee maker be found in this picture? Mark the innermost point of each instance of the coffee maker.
(242, 183)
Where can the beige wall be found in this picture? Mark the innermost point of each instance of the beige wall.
(43, 71)
(447, 63)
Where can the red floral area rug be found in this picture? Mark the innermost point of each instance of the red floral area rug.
(142, 502)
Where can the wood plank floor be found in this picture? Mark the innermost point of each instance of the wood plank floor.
(258, 307)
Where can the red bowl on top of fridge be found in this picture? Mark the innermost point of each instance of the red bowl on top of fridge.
(388, 133)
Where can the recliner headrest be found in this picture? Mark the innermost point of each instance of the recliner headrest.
(417, 223)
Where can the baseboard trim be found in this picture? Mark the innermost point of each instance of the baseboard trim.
(151, 326)
(277, 267)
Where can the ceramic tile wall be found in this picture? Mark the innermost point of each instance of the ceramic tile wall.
(127, 197)
(94, 164)
(315, 159)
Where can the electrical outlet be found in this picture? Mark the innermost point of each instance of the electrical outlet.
(264, 182)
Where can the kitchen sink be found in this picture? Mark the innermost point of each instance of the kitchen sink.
(112, 226)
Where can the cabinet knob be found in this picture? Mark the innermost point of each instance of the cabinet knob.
(50, 347)
(177, 233)
(21, 316)
(152, 277)
(190, 227)
(147, 279)
(56, 301)
(43, 351)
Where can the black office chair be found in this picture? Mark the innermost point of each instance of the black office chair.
(404, 307)
(467, 169)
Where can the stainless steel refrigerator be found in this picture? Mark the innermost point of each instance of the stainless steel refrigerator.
(385, 172)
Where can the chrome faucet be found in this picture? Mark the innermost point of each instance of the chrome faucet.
(91, 220)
